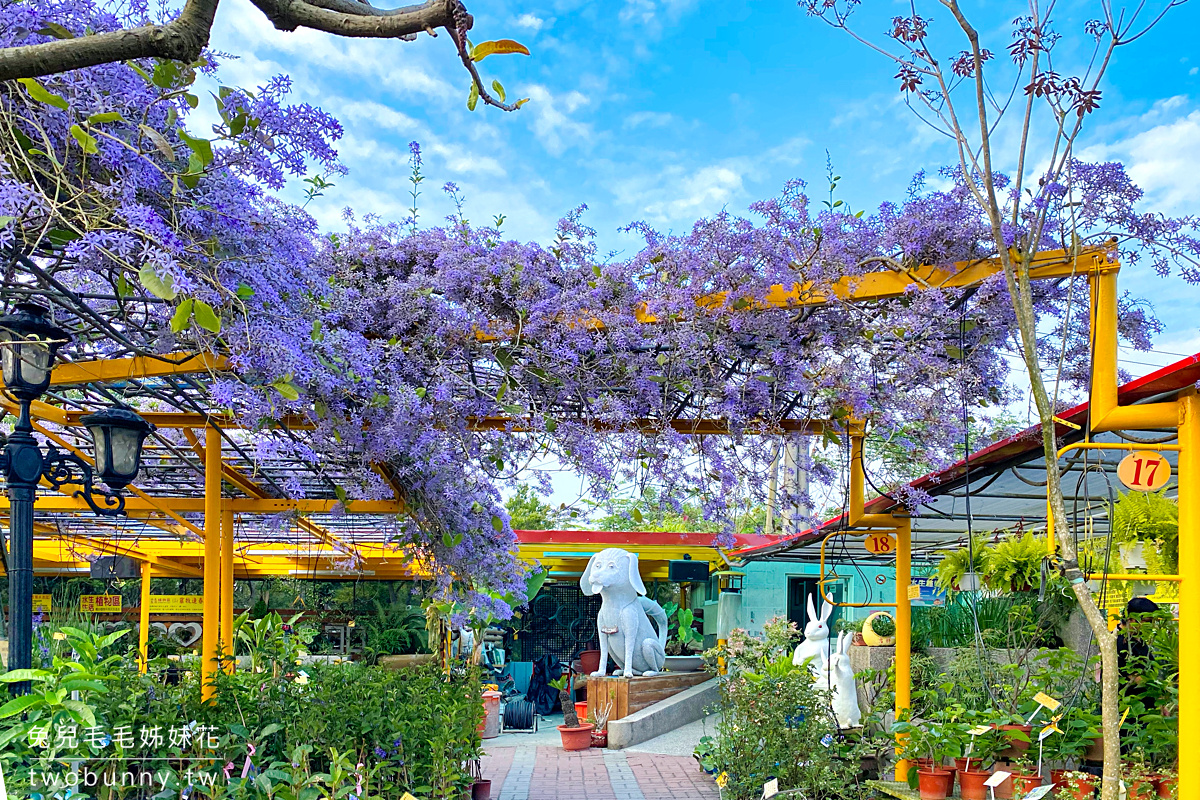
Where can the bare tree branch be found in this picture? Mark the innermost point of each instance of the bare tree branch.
(183, 38)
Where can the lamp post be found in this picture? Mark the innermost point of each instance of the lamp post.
(29, 343)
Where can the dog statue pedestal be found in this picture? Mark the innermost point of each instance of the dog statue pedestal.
(628, 695)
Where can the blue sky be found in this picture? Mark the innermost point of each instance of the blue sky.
(668, 110)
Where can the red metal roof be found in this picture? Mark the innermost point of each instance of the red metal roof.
(619, 538)
(1167, 380)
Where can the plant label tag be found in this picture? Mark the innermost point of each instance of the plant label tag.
(770, 788)
(914, 592)
(1046, 731)
(1121, 724)
(980, 730)
(1041, 698)
(998, 777)
(1039, 792)
(407, 796)
(3, 791)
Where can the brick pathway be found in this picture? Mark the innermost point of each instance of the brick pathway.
(549, 773)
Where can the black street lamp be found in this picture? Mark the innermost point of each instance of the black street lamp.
(28, 345)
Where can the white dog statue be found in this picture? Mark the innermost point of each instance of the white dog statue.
(624, 618)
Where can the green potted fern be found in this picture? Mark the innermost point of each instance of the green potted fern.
(1014, 564)
(960, 569)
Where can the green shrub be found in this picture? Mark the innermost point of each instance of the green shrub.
(324, 732)
(776, 724)
(883, 625)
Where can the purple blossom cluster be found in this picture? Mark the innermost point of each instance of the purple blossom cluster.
(445, 360)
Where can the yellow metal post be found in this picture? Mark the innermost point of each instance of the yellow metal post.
(227, 586)
(1189, 594)
(144, 620)
(212, 561)
(903, 628)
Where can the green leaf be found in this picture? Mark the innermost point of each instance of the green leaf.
(500, 47)
(85, 139)
(521, 102)
(134, 66)
(81, 710)
(637, 515)
(551, 425)
(287, 389)
(56, 30)
(16, 675)
(207, 318)
(497, 524)
(244, 292)
(41, 94)
(4, 220)
(499, 90)
(192, 100)
(107, 116)
(162, 288)
(472, 97)
(19, 704)
(421, 392)
(182, 316)
(201, 147)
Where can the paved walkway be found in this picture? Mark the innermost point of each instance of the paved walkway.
(532, 767)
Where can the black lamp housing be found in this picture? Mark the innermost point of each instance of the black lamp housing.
(117, 434)
(28, 344)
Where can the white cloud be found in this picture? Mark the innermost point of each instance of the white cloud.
(552, 123)
(649, 119)
(1194, 70)
(1160, 149)
(530, 22)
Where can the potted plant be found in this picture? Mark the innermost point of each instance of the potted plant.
(879, 630)
(1076, 785)
(1138, 777)
(1014, 564)
(1025, 777)
(1017, 734)
(852, 627)
(960, 569)
(1167, 784)
(575, 736)
(1079, 729)
(682, 640)
(927, 744)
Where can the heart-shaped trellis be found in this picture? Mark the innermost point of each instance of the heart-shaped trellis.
(186, 633)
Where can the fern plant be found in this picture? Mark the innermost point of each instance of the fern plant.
(957, 563)
(1149, 517)
(1014, 564)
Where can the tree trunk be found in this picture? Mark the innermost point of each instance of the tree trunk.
(1107, 641)
(570, 718)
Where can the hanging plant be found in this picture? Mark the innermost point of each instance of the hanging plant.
(1149, 517)
(1014, 564)
(956, 564)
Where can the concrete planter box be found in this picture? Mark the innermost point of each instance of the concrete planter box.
(684, 663)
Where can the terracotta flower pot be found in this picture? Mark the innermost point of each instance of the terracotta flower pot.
(1015, 746)
(600, 738)
(962, 764)
(1164, 786)
(970, 783)
(1083, 790)
(481, 790)
(1095, 750)
(935, 783)
(1140, 789)
(576, 738)
(1023, 784)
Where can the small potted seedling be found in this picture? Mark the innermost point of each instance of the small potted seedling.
(879, 630)
(1076, 785)
(575, 735)
(683, 642)
(1025, 777)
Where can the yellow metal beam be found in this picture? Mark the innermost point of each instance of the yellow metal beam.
(250, 487)
(210, 655)
(1189, 591)
(112, 370)
(227, 587)
(141, 507)
(120, 549)
(144, 619)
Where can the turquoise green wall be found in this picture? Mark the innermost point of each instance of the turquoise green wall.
(765, 587)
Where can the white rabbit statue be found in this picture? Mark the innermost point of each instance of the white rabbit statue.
(836, 675)
(816, 637)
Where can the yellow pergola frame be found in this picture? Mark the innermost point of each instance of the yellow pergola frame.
(218, 551)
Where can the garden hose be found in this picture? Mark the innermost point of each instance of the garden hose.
(518, 715)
